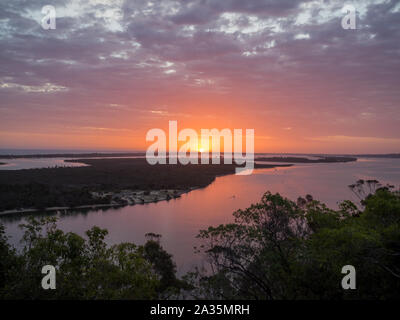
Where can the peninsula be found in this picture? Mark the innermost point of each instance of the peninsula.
(104, 182)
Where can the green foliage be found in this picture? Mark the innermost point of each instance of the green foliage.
(278, 249)
(41, 196)
(275, 249)
(86, 268)
(164, 266)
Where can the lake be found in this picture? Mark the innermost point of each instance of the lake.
(179, 220)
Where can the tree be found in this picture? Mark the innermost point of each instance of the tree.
(277, 249)
(86, 268)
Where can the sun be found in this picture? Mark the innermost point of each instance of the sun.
(201, 150)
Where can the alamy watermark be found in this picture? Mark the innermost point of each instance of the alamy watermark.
(192, 145)
(49, 280)
(349, 280)
(349, 20)
(49, 20)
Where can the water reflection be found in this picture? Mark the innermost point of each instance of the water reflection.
(179, 220)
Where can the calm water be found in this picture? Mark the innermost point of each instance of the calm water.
(18, 164)
(179, 220)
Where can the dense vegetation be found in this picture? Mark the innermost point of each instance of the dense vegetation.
(275, 249)
(86, 267)
(70, 187)
(278, 249)
(40, 196)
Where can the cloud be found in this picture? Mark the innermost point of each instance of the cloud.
(291, 57)
(201, 12)
(45, 88)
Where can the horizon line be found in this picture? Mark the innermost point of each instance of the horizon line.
(133, 151)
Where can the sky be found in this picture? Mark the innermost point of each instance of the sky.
(112, 70)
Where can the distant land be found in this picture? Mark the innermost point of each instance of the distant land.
(72, 155)
(141, 154)
(306, 160)
(285, 154)
(106, 182)
(389, 155)
(117, 180)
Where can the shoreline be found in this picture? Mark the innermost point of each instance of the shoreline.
(103, 183)
(141, 198)
(130, 196)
